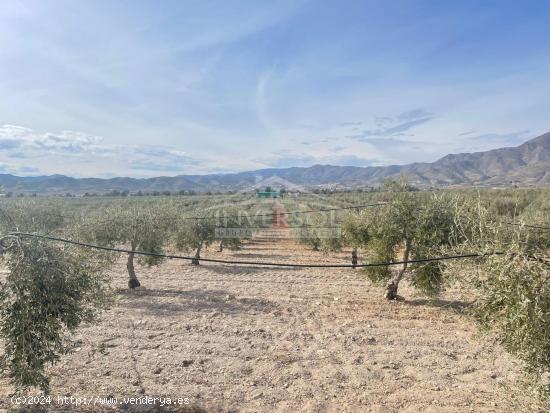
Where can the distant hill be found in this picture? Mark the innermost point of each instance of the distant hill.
(527, 164)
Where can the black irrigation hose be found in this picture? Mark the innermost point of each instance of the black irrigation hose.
(270, 264)
(527, 225)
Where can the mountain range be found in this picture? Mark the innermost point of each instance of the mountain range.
(526, 164)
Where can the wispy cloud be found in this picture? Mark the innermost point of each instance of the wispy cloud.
(394, 126)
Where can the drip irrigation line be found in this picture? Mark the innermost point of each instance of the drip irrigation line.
(257, 263)
(519, 224)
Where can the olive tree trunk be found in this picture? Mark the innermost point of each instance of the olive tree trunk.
(195, 261)
(133, 282)
(221, 246)
(354, 258)
(393, 283)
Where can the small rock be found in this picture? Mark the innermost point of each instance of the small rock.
(187, 363)
(257, 395)
(158, 370)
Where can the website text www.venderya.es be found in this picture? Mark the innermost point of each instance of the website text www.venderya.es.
(99, 401)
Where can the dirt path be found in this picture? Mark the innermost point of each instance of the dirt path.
(284, 340)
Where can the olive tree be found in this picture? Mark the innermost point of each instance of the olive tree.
(50, 291)
(513, 301)
(319, 233)
(141, 227)
(411, 226)
(194, 235)
(225, 226)
(231, 228)
(355, 232)
(537, 214)
(510, 289)
(32, 215)
(310, 237)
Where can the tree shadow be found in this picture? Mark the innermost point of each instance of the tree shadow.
(455, 305)
(247, 255)
(247, 269)
(196, 300)
(266, 246)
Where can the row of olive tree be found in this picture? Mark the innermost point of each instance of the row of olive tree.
(154, 228)
(509, 284)
(52, 288)
(410, 227)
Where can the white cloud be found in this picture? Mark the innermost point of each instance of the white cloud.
(19, 137)
(24, 144)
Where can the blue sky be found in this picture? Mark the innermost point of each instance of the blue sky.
(148, 88)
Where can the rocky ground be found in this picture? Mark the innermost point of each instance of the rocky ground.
(252, 339)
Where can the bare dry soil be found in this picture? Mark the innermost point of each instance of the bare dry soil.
(252, 339)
